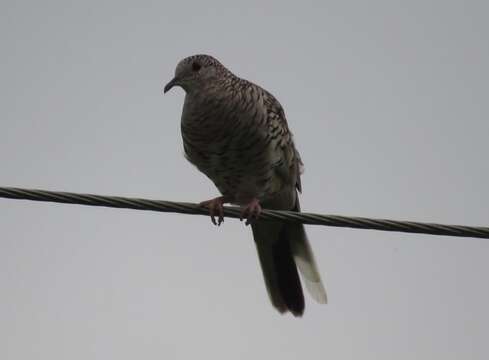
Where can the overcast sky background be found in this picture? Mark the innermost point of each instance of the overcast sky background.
(388, 101)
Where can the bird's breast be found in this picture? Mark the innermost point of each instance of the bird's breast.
(225, 141)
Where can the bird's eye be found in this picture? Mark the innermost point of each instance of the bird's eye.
(196, 66)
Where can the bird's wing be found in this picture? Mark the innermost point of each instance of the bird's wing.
(278, 129)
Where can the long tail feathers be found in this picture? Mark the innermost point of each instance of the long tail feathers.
(278, 267)
(283, 248)
(304, 258)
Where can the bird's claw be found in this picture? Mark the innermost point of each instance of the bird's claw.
(251, 212)
(216, 209)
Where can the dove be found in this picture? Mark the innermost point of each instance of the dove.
(236, 133)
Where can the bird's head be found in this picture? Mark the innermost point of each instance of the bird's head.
(195, 72)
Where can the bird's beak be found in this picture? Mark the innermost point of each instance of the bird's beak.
(171, 84)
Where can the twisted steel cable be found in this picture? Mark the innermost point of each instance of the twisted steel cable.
(234, 212)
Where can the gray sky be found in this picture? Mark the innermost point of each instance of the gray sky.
(388, 104)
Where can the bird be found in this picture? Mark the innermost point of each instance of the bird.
(236, 133)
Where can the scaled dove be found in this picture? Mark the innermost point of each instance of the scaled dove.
(235, 132)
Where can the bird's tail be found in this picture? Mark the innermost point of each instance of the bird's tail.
(283, 248)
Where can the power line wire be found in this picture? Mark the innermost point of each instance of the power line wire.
(234, 212)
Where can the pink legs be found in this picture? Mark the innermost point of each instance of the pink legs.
(250, 212)
(215, 209)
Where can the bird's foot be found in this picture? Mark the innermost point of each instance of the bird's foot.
(216, 208)
(251, 211)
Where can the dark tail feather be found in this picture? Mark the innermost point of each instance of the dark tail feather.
(272, 240)
(288, 279)
(283, 249)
